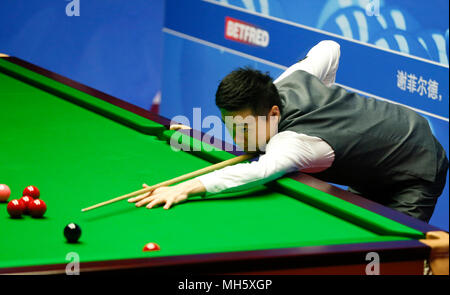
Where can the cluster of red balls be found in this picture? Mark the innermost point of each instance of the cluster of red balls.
(28, 204)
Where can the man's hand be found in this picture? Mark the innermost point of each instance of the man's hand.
(169, 195)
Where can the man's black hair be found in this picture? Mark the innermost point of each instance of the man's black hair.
(247, 88)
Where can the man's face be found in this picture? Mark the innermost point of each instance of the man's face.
(249, 131)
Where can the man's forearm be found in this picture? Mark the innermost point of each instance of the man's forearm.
(193, 187)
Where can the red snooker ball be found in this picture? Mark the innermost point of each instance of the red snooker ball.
(15, 208)
(37, 208)
(31, 191)
(5, 192)
(151, 247)
(27, 201)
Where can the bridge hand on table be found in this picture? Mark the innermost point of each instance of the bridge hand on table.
(162, 195)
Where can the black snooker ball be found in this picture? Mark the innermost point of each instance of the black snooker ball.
(72, 232)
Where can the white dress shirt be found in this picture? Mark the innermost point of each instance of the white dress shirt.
(286, 151)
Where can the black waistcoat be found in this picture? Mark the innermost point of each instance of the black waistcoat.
(376, 143)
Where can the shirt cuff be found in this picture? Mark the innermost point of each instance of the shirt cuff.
(211, 183)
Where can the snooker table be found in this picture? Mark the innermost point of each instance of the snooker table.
(80, 146)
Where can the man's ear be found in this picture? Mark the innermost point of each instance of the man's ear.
(274, 111)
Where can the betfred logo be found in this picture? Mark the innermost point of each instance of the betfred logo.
(242, 32)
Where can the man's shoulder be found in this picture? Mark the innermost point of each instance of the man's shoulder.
(295, 77)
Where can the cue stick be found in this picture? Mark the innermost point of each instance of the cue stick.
(181, 178)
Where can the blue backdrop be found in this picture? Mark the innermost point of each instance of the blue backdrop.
(114, 45)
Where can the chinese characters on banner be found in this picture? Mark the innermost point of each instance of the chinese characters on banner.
(410, 82)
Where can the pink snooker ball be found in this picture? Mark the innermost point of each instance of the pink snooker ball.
(5, 192)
